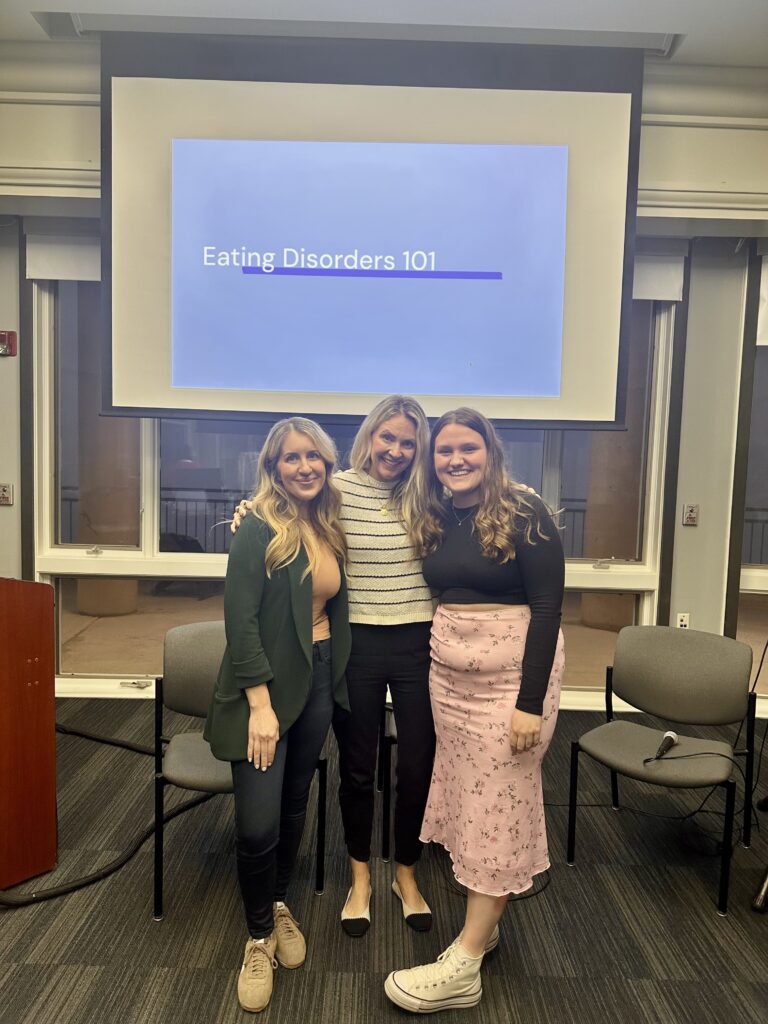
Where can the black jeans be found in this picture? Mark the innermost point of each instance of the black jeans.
(398, 657)
(270, 806)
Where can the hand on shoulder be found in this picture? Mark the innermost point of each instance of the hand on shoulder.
(240, 513)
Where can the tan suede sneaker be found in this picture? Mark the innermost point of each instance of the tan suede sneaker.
(254, 985)
(291, 945)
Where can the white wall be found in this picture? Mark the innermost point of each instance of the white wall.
(703, 152)
(10, 465)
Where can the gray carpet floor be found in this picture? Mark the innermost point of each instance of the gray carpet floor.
(630, 934)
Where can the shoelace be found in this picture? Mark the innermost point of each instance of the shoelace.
(258, 958)
(441, 970)
(284, 919)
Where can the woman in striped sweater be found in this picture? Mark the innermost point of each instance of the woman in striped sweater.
(390, 611)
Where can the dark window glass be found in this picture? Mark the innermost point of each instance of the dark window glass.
(752, 629)
(602, 477)
(755, 544)
(97, 457)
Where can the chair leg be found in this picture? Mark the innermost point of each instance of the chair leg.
(382, 751)
(571, 851)
(615, 790)
(158, 899)
(386, 801)
(322, 791)
(725, 858)
(749, 771)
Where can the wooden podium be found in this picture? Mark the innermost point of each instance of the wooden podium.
(27, 731)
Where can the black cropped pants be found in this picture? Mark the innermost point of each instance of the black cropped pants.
(398, 657)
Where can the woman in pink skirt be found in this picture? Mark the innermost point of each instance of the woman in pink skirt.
(494, 556)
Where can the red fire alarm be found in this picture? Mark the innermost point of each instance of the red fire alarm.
(7, 343)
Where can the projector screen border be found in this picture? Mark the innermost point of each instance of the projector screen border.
(369, 62)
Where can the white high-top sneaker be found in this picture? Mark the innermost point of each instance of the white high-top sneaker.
(452, 982)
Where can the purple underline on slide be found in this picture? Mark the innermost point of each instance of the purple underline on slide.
(467, 275)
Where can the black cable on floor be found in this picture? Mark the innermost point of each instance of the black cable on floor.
(455, 886)
(137, 748)
(39, 896)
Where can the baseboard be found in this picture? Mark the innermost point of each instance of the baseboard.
(130, 688)
(134, 688)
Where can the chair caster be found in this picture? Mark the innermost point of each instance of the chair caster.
(319, 892)
(157, 918)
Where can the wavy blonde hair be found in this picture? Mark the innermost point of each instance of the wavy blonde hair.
(504, 508)
(408, 499)
(280, 511)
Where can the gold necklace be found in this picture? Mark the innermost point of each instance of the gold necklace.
(462, 519)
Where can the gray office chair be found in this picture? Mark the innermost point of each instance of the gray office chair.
(683, 676)
(191, 659)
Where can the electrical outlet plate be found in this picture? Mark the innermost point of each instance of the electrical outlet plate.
(683, 620)
(690, 515)
(6, 494)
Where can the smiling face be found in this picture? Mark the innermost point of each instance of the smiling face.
(301, 468)
(460, 457)
(393, 448)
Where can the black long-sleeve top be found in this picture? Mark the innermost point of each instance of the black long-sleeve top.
(461, 574)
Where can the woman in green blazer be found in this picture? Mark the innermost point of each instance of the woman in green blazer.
(288, 641)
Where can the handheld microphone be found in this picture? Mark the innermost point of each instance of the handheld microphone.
(668, 741)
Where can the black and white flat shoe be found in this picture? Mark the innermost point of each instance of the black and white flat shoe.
(358, 925)
(419, 920)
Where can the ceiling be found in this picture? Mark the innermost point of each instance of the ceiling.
(708, 32)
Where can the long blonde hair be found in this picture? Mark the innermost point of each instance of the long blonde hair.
(408, 498)
(279, 510)
(504, 508)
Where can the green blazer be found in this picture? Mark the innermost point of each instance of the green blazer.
(268, 624)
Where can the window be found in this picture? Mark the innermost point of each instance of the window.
(602, 472)
(206, 467)
(753, 630)
(116, 626)
(752, 623)
(591, 622)
(97, 457)
(755, 543)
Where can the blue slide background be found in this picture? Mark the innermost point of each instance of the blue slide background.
(498, 208)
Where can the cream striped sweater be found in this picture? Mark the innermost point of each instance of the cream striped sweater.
(386, 587)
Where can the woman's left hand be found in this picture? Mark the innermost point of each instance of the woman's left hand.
(524, 731)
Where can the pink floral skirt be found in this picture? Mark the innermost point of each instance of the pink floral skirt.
(485, 802)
